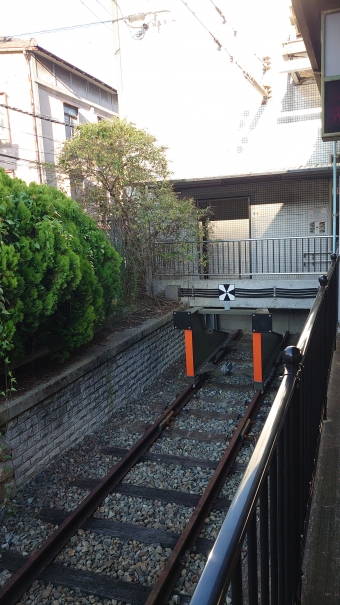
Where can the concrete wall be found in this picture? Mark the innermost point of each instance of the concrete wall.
(50, 418)
(172, 287)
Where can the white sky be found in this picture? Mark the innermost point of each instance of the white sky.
(175, 82)
(90, 49)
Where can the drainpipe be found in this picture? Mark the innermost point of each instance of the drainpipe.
(334, 197)
(35, 129)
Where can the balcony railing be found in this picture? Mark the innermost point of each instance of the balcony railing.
(258, 553)
(248, 258)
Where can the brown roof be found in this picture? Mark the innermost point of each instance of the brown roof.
(17, 45)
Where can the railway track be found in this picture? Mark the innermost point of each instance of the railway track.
(116, 545)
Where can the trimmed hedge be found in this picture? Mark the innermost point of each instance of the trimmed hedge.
(58, 274)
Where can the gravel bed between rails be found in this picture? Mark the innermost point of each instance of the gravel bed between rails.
(23, 531)
(192, 480)
(147, 513)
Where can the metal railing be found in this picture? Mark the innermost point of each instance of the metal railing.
(257, 556)
(289, 257)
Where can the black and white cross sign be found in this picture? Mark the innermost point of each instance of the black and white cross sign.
(226, 291)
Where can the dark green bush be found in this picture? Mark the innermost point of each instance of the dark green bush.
(59, 276)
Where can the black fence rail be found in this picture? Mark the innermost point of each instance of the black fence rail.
(287, 257)
(257, 557)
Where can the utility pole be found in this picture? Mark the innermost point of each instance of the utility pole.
(116, 46)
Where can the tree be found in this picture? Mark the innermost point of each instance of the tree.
(58, 274)
(120, 175)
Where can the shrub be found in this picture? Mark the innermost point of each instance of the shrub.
(58, 274)
(120, 175)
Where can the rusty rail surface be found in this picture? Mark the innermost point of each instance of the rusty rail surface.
(40, 559)
(167, 579)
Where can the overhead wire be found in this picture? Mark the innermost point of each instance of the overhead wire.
(58, 29)
(91, 11)
(205, 27)
(104, 7)
(265, 92)
(29, 113)
(33, 150)
(32, 134)
(14, 164)
(13, 157)
(224, 20)
(72, 27)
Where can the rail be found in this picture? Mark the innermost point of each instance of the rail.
(288, 257)
(258, 552)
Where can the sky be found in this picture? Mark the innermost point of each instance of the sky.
(90, 48)
(190, 95)
(175, 82)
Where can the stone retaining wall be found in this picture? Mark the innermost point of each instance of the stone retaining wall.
(47, 420)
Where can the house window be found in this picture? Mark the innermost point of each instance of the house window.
(70, 119)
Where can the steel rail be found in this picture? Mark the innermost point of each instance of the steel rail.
(30, 571)
(166, 581)
(224, 557)
(45, 554)
(218, 570)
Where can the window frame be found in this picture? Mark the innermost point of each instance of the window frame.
(70, 120)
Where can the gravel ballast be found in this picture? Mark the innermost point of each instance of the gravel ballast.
(130, 560)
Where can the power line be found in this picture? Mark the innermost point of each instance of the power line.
(17, 164)
(104, 7)
(13, 157)
(33, 150)
(201, 22)
(72, 27)
(91, 11)
(263, 90)
(34, 115)
(32, 134)
(224, 20)
(58, 29)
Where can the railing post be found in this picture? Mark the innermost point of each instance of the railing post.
(236, 583)
(252, 561)
(239, 259)
(264, 544)
(323, 281)
(292, 358)
(274, 582)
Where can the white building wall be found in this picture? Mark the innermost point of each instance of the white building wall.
(14, 81)
(33, 88)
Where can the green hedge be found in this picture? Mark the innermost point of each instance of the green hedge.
(58, 274)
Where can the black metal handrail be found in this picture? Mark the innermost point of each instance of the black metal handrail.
(258, 552)
(287, 257)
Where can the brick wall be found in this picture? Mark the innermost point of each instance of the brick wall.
(49, 419)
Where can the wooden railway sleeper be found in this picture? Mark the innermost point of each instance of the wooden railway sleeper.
(44, 555)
